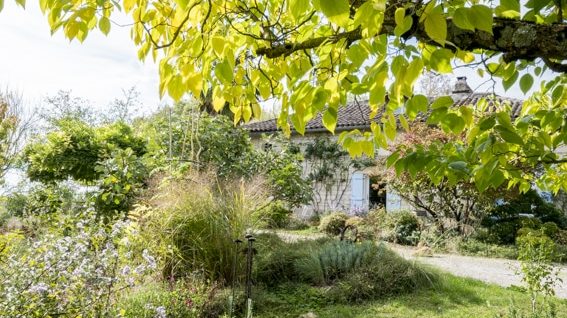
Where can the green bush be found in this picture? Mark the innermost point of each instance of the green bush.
(383, 274)
(275, 216)
(504, 221)
(296, 224)
(275, 261)
(358, 229)
(333, 224)
(405, 227)
(333, 261)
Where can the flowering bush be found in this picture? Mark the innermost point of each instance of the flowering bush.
(74, 275)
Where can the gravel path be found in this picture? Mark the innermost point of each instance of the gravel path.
(491, 270)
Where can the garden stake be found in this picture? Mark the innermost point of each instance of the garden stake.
(251, 240)
(231, 297)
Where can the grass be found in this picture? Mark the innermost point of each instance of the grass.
(455, 297)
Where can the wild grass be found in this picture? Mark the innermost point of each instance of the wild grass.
(195, 221)
(452, 297)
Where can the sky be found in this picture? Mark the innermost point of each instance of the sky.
(36, 64)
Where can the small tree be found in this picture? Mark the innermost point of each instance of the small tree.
(536, 254)
(444, 200)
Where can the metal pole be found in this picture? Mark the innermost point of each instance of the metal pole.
(249, 255)
(231, 298)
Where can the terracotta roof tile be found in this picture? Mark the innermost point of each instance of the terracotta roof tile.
(357, 114)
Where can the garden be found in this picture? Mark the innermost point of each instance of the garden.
(120, 221)
(118, 211)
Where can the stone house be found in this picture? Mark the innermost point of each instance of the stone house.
(352, 189)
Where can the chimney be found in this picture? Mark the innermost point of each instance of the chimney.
(461, 87)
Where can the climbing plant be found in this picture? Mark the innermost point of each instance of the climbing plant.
(328, 167)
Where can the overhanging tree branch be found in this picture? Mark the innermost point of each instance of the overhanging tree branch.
(516, 39)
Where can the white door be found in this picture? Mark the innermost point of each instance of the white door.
(359, 194)
(393, 201)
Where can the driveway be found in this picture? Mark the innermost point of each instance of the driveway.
(491, 270)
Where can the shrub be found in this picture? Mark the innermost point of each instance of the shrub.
(333, 224)
(383, 274)
(275, 216)
(503, 221)
(536, 253)
(78, 274)
(275, 261)
(193, 224)
(295, 223)
(404, 228)
(333, 261)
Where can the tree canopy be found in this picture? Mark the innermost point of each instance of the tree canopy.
(311, 55)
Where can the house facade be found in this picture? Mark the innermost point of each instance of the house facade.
(350, 187)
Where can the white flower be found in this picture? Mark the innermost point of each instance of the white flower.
(39, 288)
(126, 270)
(160, 312)
(149, 259)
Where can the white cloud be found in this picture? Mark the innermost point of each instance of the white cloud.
(38, 64)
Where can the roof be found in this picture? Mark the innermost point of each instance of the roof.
(351, 116)
(356, 114)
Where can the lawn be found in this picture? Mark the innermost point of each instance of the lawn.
(454, 297)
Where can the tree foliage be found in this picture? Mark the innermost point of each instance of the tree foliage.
(312, 55)
(449, 201)
(74, 149)
(185, 138)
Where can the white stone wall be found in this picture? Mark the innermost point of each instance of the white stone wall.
(329, 198)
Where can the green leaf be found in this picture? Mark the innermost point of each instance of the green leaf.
(1, 5)
(443, 101)
(454, 122)
(224, 72)
(526, 82)
(557, 94)
(298, 7)
(487, 123)
(218, 45)
(391, 160)
(413, 71)
(467, 114)
(22, 3)
(128, 5)
(403, 22)
(508, 9)
(404, 122)
(104, 25)
(337, 11)
(459, 166)
(436, 25)
(509, 135)
(330, 119)
(175, 88)
(357, 54)
(481, 17)
(507, 83)
(416, 104)
(440, 60)
(461, 19)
